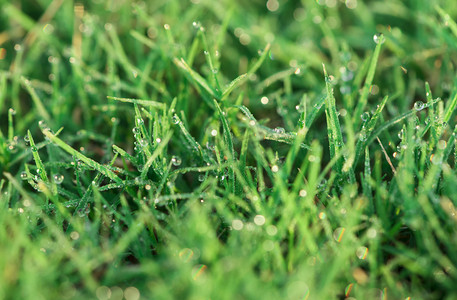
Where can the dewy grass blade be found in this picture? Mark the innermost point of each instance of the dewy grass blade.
(181, 63)
(268, 133)
(368, 82)
(229, 143)
(150, 103)
(82, 204)
(155, 154)
(90, 162)
(313, 113)
(190, 139)
(335, 134)
(39, 164)
(234, 84)
(368, 129)
(209, 61)
(124, 153)
(396, 120)
(142, 39)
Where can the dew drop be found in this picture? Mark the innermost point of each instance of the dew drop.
(27, 140)
(143, 142)
(379, 38)
(11, 111)
(58, 178)
(280, 130)
(363, 136)
(42, 125)
(330, 79)
(365, 116)
(136, 130)
(175, 119)
(419, 105)
(362, 252)
(24, 175)
(176, 160)
(338, 234)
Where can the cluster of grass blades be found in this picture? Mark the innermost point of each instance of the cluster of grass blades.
(202, 150)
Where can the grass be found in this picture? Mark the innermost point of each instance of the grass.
(228, 150)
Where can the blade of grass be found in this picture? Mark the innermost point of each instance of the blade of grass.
(181, 63)
(368, 82)
(335, 135)
(229, 144)
(150, 103)
(88, 161)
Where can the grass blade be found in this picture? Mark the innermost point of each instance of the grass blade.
(88, 161)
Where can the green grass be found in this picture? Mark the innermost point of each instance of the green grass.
(228, 149)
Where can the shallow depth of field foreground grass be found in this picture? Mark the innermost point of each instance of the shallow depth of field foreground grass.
(228, 149)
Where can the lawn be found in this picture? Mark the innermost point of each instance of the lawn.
(176, 149)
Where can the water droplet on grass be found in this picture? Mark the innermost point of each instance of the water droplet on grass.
(363, 136)
(175, 119)
(143, 142)
(176, 161)
(24, 175)
(58, 178)
(379, 38)
(338, 234)
(11, 111)
(330, 79)
(362, 252)
(365, 116)
(419, 105)
(280, 130)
